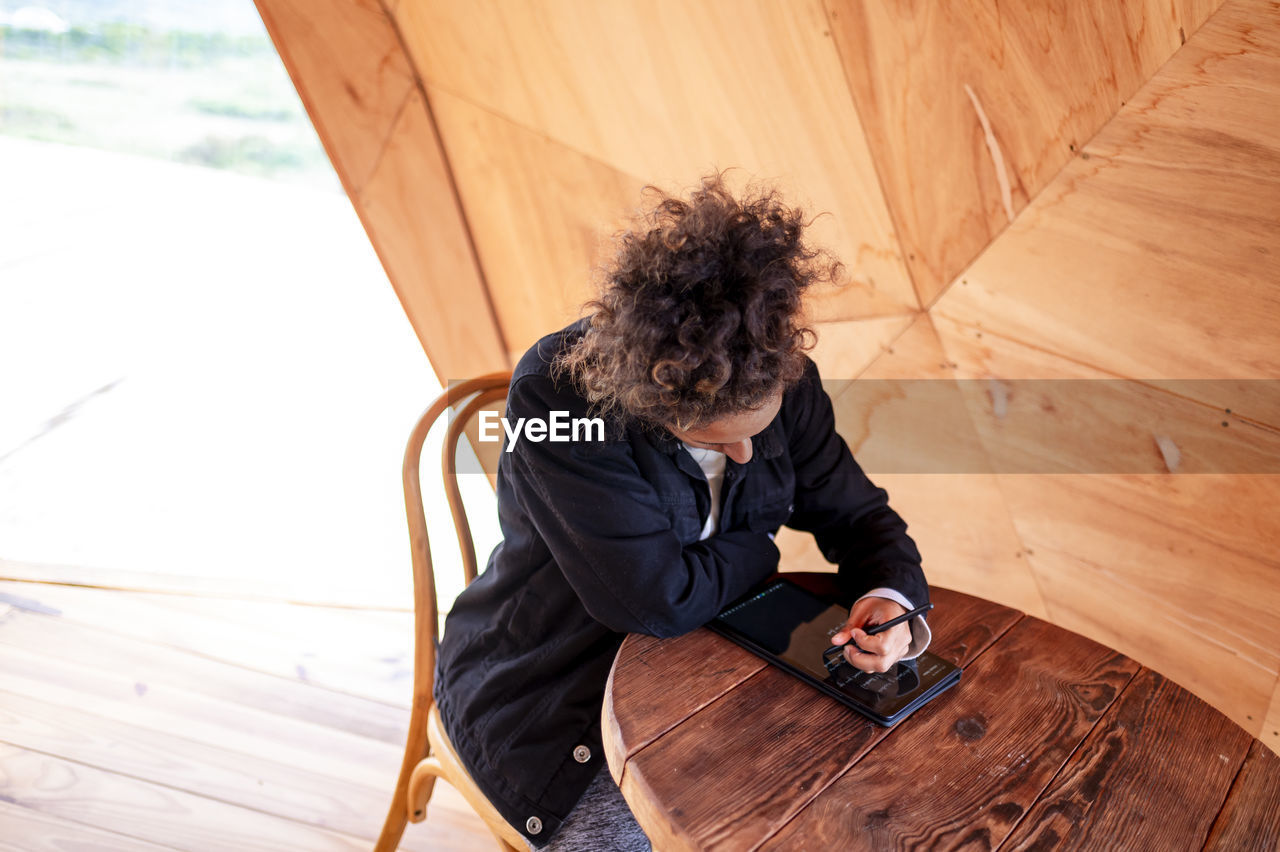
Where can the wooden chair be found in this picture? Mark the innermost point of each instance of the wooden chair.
(428, 754)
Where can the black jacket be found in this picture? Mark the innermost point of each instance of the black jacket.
(601, 540)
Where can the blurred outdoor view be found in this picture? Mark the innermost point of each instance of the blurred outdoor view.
(206, 379)
(188, 81)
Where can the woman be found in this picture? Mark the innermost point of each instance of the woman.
(717, 433)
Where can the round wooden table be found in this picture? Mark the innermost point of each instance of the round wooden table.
(1050, 740)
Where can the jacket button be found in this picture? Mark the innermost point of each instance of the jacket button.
(582, 754)
(533, 825)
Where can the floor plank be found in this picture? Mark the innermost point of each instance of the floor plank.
(286, 589)
(152, 811)
(368, 654)
(205, 770)
(26, 830)
(127, 720)
(177, 711)
(148, 663)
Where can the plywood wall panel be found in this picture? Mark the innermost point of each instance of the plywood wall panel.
(351, 72)
(958, 520)
(844, 349)
(541, 215)
(971, 108)
(1152, 255)
(1271, 725)
(1180, 549)
(668, 91)
(1055, 415)
(411, 213)
(349, 67)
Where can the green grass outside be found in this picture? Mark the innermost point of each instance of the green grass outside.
(218, 101)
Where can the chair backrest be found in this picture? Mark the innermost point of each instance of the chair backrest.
(423, 762)
(466, 399)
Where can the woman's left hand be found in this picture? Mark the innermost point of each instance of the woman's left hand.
(878, 653)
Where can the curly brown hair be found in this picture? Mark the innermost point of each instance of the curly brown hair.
(699, 314)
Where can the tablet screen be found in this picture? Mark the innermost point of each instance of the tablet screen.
(796, 626)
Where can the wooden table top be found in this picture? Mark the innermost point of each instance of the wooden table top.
(1050, 740)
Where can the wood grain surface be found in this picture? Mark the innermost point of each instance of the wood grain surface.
(90, 647)
(1058, 415)
(669, 91)
(974, 549)
(1271, 725)
(348, 64)
(25, 830)
(846, 348)
(350, 71)
(413, 218)
(103, 697)
(169, 759)
(966, 767)
(294, 642)
(971, 109)
(685, 769)
(131, 806)
(1250, 819)
(1155, 773)
(1195, 555)
(638, 709)
(541, 215)
(1152, 255)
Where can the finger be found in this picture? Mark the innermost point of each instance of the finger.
(890, 641)
(867, 662)
(845, 633)
(881, 643)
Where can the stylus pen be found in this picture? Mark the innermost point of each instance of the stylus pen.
(894, 622)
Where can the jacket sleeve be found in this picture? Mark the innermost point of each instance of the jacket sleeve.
(849, 517)
(607, 530)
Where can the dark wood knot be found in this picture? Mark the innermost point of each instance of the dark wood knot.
(972, 728)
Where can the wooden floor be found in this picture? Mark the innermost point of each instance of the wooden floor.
(140, 721)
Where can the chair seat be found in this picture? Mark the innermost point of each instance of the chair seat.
(452, 770)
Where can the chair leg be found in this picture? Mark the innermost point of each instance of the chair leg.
(398, 815)
(393, 826)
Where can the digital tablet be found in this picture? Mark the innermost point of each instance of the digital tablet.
(792, 627)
